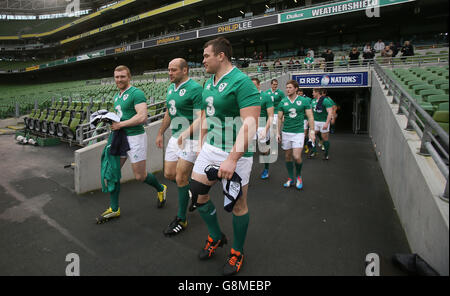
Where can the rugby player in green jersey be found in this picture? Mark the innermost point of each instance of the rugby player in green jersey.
(264, 123)
(293, 109)
(276, 95)
(228, 94)
(131, 107)
(323, 113)
(184, 102)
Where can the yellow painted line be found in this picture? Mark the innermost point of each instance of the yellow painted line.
(15, 127)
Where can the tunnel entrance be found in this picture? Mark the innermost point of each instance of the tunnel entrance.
(353, 108)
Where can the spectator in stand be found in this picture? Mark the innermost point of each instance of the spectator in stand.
(255, 56)
(261, 57)
(394, 49)
(311, 52)
(309, 61)
(368, 54)
(379, 46)
(290, 64)
(343, 62)
(265, 68)
(328, 56)
(407, 50)
(297, 65)
(277, 65)
(367, 48)
(354, 57)
(387, 54)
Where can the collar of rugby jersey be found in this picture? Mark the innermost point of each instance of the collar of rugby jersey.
(120, 95)
(179, 86)
(214, 77)
(292, 102)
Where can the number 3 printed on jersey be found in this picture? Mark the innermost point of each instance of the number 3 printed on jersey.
(292, 113)
(119, 111)
(172, 108)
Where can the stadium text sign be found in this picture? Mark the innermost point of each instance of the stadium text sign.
(352, 79)
(239, 26)
(336, 8)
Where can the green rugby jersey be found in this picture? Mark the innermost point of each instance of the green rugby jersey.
(222, 103)
(332, 102)
(276, 96)
(266, 103)
(309, 60)
(181, 102)
(321, 116)
(294, 114)
(124, 106)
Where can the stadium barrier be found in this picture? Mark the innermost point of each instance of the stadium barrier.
(87, 161)
(434, 139)
(415, 182)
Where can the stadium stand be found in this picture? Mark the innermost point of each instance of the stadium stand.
(426, 85)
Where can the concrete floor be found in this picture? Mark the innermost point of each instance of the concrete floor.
(343, 213)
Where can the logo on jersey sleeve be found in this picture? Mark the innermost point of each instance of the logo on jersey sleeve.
(222, 86)
(182, 92)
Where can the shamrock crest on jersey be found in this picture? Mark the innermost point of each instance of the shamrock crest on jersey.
(222, 86)
(182, 92)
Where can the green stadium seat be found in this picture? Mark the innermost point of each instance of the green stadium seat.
(64, 122)
(54, 123)
(444, 87)
(46, 123)
(419, 87)
(441, 117)
(439, 81)
(70, 131)
(95, 107)
(79, 106)
(32, 121)
(38, 122)
(437, 99)
(443, 106)
(428, 92)
(430, 78)
(28, 118)
(104, 106)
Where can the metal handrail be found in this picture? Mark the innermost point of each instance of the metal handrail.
(415, 113)
(86, 135)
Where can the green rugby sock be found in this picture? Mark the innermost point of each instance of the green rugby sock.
(290, 169)
(209, 215)
(298, 169)
(326, 144)
(152, 181)
(114, 198)
(183, 201)
(240, 226)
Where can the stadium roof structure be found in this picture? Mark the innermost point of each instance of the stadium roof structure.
(48, 6)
